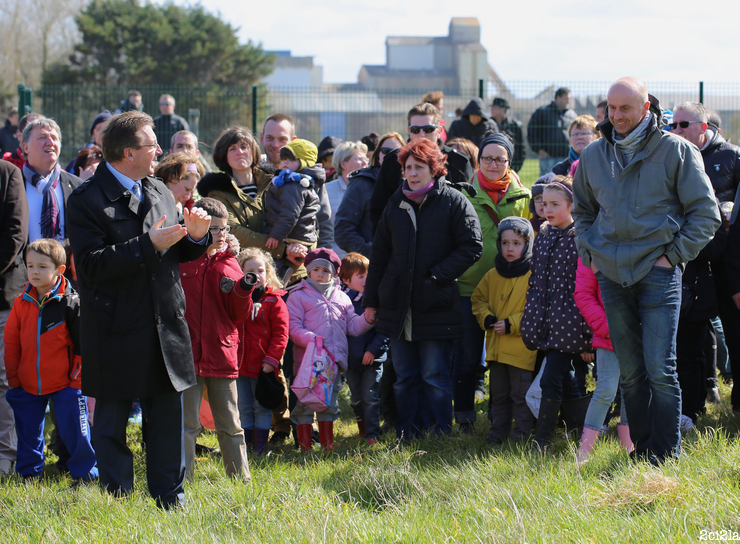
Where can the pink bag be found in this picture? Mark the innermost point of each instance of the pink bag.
(315, 380)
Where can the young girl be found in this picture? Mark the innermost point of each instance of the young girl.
(588, 299)
(180, 172)
(318, 307)
(498, 304)
(551, 319)
(535, 204)
(263, 338)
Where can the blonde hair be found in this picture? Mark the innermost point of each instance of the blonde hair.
(256, 253)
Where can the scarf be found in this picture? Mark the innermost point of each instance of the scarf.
(325, 289)
(419, 194)
(521, 266)
(573, 156)
(634, 141)
(50, 225)
(495, 189)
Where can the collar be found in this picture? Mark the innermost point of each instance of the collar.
(56, 292)
(126, 181)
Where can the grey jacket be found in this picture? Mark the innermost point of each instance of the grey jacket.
(290, 212)
(662, 203)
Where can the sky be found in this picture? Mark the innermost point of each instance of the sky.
(563, 40)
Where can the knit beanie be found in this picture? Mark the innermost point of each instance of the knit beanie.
(323, 257)
(304, 151)
(328, 145)
(101, 118)
(500, 139)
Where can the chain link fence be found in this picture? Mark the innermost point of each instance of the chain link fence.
(349, 111)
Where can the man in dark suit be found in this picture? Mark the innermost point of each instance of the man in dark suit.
(128, 245)
(48, 186)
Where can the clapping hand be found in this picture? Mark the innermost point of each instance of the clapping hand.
(88, 172)
(197, 222)
(165, 237)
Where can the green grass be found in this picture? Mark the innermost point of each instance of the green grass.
(530, 172)
(452, 489)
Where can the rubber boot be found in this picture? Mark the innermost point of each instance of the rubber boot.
(574, 413)
(547, 419)
(260, 440)
(304, 437)
(361, 427)
(248, 435)
(588, 439)
(623, 431)
(326, 435)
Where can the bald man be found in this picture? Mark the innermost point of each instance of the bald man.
(643, 207)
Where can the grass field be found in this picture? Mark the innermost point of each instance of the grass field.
(452, 489)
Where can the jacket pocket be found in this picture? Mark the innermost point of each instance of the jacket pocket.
(435, 296)
(105, 311)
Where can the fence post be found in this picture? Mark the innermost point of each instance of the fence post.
(481, 89)
(25, 100)
(254, 109)
(701, 92)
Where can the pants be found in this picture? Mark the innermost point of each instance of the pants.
(251, 413)
(423, 387)
(643, 320)
(281, 414)
(509, 386)
(730, 316)
(303, 415)
(222, 397)
(364, 387)
(547, 164)
(468, 354)
(607, 386)
(8, 438)
(165, 447)
(71, 411)
(723, 358)
(559, 380)
(691, 366)
(387, 396)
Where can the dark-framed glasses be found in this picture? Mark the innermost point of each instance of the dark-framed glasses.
(218, 230)
(489, 160)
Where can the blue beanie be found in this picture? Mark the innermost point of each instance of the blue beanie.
(101, 118)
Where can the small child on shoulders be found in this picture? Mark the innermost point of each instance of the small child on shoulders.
(498, 304)
(366, 354)
(42, 360)
(318, 307)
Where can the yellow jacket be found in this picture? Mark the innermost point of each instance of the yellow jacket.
(505, 299)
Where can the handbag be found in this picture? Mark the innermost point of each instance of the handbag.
(314, 383)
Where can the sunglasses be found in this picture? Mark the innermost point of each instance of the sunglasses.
(386, 150)
(428, 129)
(682, 124)
(217, 230)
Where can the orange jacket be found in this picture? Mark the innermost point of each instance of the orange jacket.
(42, 341)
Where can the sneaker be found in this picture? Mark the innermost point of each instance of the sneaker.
(686, 424)
(713, 396)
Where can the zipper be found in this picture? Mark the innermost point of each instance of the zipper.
(38, 351)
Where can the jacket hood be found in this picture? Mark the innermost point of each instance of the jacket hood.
(476, 107)
(221, 181)
(317, 172)
(605, 127)
(369, 172)
(328, 145)
(716, 141)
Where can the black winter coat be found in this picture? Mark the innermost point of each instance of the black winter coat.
(165, 127)
(290, 212)
(135, 341)
(699, 275)
(373, 341)
(722, 165)
(8, 139)
(513, 127)
(551, 318)
(414, 245)
(353, 229)
(13, 234)
(463, 128)
(390, 178)
(548, 129)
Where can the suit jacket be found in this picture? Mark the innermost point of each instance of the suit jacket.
(135, 341)
(13, 234)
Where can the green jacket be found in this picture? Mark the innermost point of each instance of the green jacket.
(514, 202)
(661, 203)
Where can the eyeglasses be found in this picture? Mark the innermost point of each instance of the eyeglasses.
(386, 150)
(682, 124)
(146, 145)
(582, 134)
(489, 160)
(165, 104)
(428, 129)
(218, 230)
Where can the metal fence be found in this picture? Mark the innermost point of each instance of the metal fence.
(347, 111)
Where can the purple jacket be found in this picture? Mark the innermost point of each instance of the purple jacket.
(312, 315)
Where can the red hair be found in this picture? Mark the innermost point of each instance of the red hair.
(425, 151)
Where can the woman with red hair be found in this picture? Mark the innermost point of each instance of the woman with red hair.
(428, 235)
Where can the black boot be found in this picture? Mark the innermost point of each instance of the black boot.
(574, 413)
(546, 422)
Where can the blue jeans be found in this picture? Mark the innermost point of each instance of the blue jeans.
(723, 358)
(423, 387)
(251, 413)
(468, 356)
(607, 384)
(364, 388)
(547, 164)
(643, 320)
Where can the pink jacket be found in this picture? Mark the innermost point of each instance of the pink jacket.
(312, 315)
(588, 300)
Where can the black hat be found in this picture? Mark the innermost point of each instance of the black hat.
(501, 103)
(327, 146)
(269, 391)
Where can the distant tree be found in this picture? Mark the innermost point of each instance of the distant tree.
(124, 42)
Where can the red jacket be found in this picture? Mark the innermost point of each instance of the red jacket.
(264, 335)
(42, 341)
(215, 302)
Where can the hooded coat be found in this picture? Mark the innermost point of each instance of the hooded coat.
(463, 128)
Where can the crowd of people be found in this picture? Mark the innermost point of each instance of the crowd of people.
(135, 279)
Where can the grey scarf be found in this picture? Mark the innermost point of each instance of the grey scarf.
(634, 141)
(325, 289)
